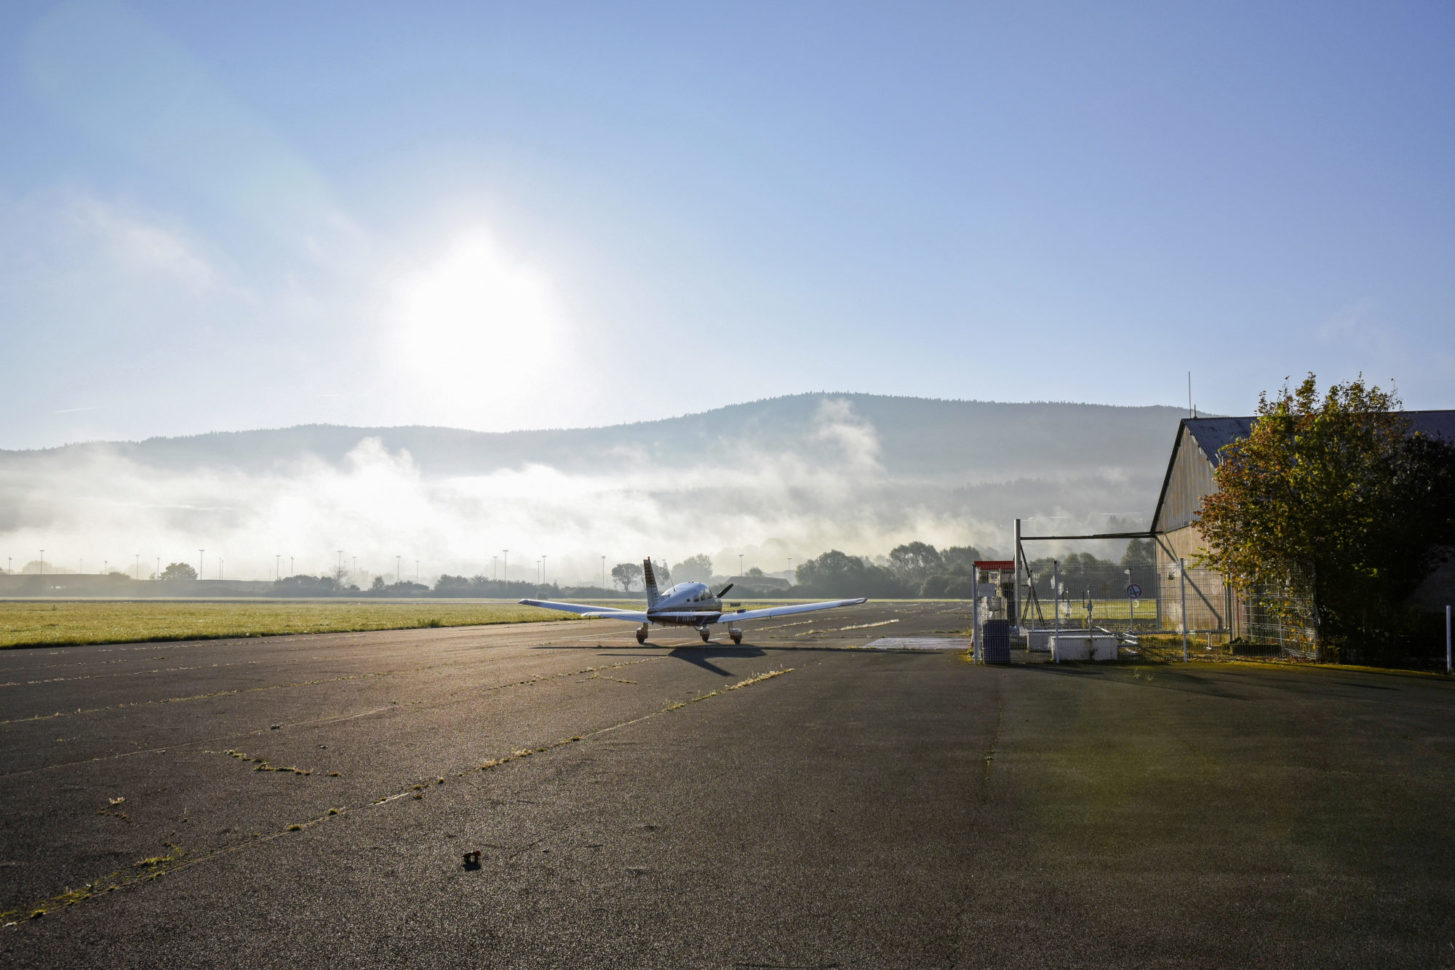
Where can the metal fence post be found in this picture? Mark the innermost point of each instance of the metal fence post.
(975, 614)
(1056, 592)
(1447, 638)
(1182, 582)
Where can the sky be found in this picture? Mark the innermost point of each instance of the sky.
(522, 215)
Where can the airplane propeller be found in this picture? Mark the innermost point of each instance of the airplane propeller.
(723, 591)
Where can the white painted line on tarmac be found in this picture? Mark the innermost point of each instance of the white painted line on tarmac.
(919, 643)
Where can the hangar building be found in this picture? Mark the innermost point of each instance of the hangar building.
(1211, 604)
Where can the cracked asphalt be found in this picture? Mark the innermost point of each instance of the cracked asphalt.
(796, 802)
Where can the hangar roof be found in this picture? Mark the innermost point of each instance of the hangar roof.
(1211, 434)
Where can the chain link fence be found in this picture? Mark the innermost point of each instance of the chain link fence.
(1167, 600)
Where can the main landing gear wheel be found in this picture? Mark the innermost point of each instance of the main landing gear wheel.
(642, 633)
(704, 633)
(736, 634)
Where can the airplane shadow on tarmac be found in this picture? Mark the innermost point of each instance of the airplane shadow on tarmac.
(702, 656)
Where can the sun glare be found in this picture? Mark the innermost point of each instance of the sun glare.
(476, 327)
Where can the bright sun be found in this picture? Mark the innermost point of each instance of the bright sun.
(476, 327)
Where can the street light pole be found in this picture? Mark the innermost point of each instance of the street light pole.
(505, 569)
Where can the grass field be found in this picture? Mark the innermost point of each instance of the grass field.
(1103, 611)
(74, 622)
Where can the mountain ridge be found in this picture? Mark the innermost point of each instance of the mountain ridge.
(781, 478)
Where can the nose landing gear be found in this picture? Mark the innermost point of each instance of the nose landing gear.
(705, 633)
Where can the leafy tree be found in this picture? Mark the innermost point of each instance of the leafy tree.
(838, 574)
(960, 559)
(942, 585)
(626, 575)
(698, 568)
(1139, 557)
(301, 585)
(177, 571)
(1329, 502)
(914, 561)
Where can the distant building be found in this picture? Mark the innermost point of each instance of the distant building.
(758, 585)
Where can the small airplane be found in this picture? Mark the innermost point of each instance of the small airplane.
(687, 604)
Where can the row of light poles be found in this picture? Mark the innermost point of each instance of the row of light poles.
(503, 560)
(221, 563)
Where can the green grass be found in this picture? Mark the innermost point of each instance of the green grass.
(1103, 610)
(71, 622)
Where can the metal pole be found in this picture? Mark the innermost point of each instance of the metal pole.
(1015, 558)
(1056, 593)
(1182, 582)
(1447, 638)
(975, 614)
(1131, 605)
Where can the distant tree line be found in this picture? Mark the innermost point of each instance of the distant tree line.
(914, 569)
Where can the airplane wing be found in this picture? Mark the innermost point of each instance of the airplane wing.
(763, 614)
(590, 612)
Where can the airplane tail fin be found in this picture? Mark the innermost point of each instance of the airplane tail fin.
(651, 580)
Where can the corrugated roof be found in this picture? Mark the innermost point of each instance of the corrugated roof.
(1212, 433)
(1436, 424)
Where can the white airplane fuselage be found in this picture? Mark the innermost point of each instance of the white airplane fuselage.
(684, 604)
(687, 604)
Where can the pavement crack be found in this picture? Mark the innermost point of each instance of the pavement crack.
(161, 865)
(990, 748)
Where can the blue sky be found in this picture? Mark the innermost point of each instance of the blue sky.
(485, 215)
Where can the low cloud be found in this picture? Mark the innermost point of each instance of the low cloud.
(737, 497)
